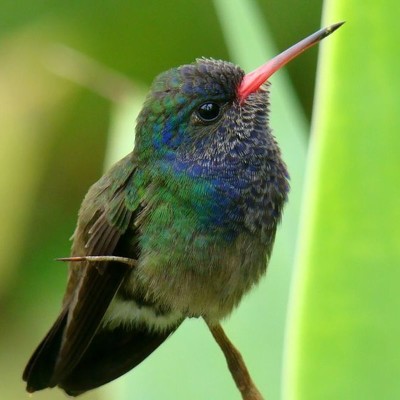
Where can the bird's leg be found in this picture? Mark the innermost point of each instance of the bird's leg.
(236, 365)
(123, 260)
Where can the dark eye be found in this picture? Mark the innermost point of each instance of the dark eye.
(208, 112)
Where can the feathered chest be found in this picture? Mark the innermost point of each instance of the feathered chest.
(206, 231)
(226, 192)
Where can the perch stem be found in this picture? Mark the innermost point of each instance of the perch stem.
(123, 260)
(236, 365)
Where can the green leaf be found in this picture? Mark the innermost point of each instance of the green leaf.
(344, 326)
(122, 134)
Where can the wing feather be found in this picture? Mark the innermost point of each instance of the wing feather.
(91, 286)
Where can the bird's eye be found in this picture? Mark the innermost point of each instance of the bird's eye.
(208, 112)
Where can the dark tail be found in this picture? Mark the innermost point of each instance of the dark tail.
(40, 367)
(110, 354)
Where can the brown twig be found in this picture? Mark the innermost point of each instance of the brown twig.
(122, 260)
(236, 365)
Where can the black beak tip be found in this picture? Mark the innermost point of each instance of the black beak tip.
(333, 27)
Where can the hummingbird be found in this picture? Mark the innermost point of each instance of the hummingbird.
(181, 227)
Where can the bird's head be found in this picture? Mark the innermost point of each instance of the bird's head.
(194, 111)
(210, 111)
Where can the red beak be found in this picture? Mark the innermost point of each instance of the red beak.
(253, 80)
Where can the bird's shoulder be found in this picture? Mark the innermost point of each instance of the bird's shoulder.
(108, 204)
(104, 216)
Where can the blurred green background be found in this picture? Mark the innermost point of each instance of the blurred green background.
(71, 77)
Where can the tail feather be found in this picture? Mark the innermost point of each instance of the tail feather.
(111, 354)
(40, 367)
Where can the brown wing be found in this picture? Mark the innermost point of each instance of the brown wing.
(39, 369)
(103, 219)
